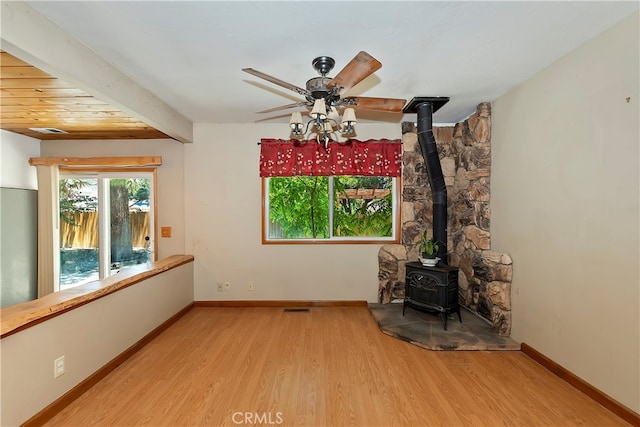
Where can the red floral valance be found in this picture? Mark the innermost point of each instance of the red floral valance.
(380, 157)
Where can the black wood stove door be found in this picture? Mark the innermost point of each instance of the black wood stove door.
(432, 289)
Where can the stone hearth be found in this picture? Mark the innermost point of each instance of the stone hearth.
(425, 329)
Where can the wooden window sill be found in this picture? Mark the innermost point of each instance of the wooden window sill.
(22, 316)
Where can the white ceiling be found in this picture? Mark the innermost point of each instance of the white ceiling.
(190, 54)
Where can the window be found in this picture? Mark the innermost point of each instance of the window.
(106, 223)
(49, 219)
(338, 192)
(322, 209)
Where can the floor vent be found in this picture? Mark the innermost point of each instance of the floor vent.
(296, 310)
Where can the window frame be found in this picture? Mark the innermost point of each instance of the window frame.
(394, 239)
(102, 173)
(48, 205)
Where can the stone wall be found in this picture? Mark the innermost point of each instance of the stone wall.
(465, 156)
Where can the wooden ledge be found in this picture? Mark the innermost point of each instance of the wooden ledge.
(97, 161)
(22, 316)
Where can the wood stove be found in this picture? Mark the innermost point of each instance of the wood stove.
(432, 289)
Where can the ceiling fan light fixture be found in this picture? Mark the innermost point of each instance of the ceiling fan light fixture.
(296, 123)
(324, 126)
(325, 93)
(348, 121)
(349, 116)
(319, 111)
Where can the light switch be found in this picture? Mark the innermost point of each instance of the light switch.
(165, 231)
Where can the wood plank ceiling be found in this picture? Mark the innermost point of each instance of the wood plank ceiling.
(31, 98)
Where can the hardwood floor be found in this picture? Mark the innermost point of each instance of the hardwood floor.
(330, 366)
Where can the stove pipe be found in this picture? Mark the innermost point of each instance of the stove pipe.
(436, 179)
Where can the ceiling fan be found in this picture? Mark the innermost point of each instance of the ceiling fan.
(325, 93)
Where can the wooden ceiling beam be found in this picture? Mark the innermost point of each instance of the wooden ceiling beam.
(36, 92)
(70, 123)
(48, 83)
(61, 108)
(140, 161)
(9, 115)
(78, 100)
(26, 72)
(120, 134)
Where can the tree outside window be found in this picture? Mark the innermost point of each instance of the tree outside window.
(330, 208)
(127, 216)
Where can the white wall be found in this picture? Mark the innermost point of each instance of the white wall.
(223, 204)
(565, 186)
(170, 183)
(15, 150)
(89, 337)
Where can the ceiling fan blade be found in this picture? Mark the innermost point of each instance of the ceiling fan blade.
(284, 107)
(392, 105)
(360, 67)
(277, 81)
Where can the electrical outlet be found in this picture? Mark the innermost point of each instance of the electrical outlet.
(220, 286)
(250, 286)
(58, 367)
(227, 286)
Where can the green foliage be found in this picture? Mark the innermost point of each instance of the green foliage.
(299, 208)
(73, 200)
(142, 193)
(138, 188)
(429, 246)
(362, 217)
